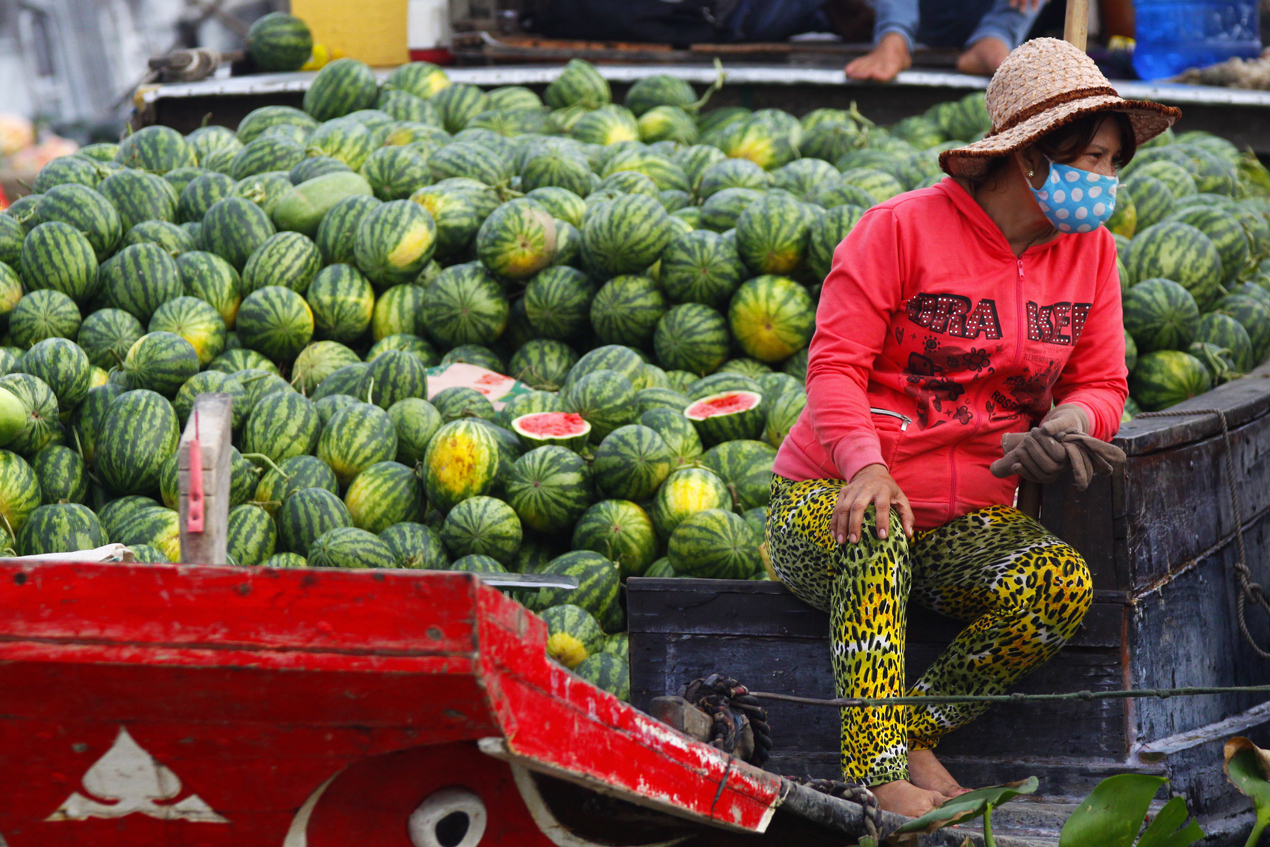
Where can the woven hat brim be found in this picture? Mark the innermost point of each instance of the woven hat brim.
(972, 161)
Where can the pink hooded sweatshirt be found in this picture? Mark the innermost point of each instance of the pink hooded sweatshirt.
(933, 340)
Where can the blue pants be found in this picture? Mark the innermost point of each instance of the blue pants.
(952, 23)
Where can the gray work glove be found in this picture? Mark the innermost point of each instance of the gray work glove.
(1061, 441)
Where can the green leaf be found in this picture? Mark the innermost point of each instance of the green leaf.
(1167, 831)
(1248, 767)
(968, 806)
(1112, 814)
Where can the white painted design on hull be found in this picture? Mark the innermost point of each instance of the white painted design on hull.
(127, 780)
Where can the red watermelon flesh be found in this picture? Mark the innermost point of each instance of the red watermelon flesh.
(564, 428)
(727, 403)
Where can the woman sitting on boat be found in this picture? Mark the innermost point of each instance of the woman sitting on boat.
(953, 320)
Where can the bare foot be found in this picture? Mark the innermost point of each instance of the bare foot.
(928, 772)
(904, 798)
(983, 57)
(884, 61)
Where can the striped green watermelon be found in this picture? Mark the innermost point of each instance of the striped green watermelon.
(1226, 333)
(160, 362)
(660, 398)
(456, 214)
(608, 672)
(746, 468)
(659, 170)
(87, 418)
(384, 494)
(288, 259)
(827, 234)
(43, 314)
(407, 343)
(611, 357)
(1254, 316)
(686, 492)
(579, 84)
(86, 211)
(549, 488)
(558, 303)
(573, 634)
(285, 560)
(603, 398)
(139, 196)
(394, 241)
(195, 321)
(174, 239)
(619, 530)
(625, 236)
(772, 234)
(598, 583)
(234, 228)
(714, 544)
(62, 366)
(1160, 315)
(265, 191)
(212, 280)
(117, 512)
(394, 173)
(466, 159)
(157, 149)
(517, 240)
(318, 361)
(772, 318)
(341, 87)
(62, 474)
(407, 108)
(667, 123)
(276, 322)
(461, 461)
(542, 363)
(1216, 360)
(342, 302)
(727, 416)
(782, 413)
(69, 170)
(312, 167)
(349, 547)
(212, 382)
(137, 436)
(1152, 201)
(19, 492)
(199, 195)
(56, 255)
(701, 267)
(291, 475)
(304, 207)
(1166, 377)
(349, 380)
(557, 169)
(692, 337)
(1174, 176)
(11, 235)
(465, 305)
(458, 103)
(269, 153)
(281, 425)
(632, 462)
(415, 546)
(279, 42)
(626, 310)
(60, 528)
(1224, 231)
(761, 140)
(241, 359)
(422, 79)
(356, 438)
(482, 526)
(400, 311)
(252, 535)
(397, 375)
(154, 526)
(305, 515)
(416, 421)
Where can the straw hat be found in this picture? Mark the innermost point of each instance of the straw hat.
(1042, 85)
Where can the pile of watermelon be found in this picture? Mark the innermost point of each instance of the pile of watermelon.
(649, 272)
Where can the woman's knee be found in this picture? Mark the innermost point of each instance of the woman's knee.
(1062, 587)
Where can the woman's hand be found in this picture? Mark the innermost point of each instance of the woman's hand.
(871, 486)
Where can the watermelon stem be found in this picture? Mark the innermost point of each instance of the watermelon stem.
(262, 457)
(693, 108)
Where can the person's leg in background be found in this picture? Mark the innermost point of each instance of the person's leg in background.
(999, 31)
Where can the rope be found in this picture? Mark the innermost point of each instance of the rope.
(732, 707)
(1248, 590)
(853, 791)
(1017, 697)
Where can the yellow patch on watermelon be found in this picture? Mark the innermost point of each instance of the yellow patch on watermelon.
(566, 649)
(411, 247)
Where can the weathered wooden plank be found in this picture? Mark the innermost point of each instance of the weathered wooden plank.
(1242, 400)
(1083, 520)
(206, 486)
(1177, 503)
(1186, 634)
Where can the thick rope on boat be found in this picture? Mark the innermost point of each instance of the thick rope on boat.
(731, 707)
(852, 791)
(1248, 590)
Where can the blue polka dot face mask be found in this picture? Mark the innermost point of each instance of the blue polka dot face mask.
(1074, 200)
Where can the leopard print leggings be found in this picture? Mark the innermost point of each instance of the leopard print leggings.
(1022, 592)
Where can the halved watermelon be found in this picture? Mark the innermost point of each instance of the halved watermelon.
(563, 428)
(727, 416)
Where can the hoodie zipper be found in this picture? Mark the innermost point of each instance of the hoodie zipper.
(904, 419)
(1020, 339)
